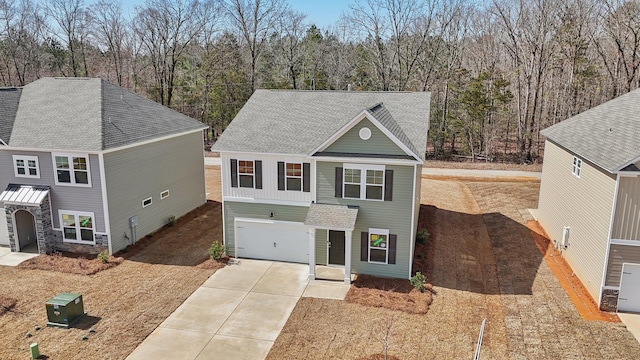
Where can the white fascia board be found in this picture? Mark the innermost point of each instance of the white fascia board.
(253, 153)
(365, 114)
(265, 201)
(105, 202)
(43, 150)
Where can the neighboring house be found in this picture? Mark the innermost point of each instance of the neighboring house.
(590, 199)
(88, 166)
(324, 177)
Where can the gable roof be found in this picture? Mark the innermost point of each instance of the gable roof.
(299, 122)
(9, 98)
(606, 135)
(87, 114)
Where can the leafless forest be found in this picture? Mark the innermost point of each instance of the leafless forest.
(498, 70)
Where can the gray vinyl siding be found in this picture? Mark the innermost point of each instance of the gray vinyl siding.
(584, 204)
(234, 209)
(618, 255)
(72, 198)
(136, 173)
(626, 225)
(321, 246)
(351, 142)
(394, 215)
(4, 233)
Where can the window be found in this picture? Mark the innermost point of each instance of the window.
(294, 176)
(577, 166)
(76, 226)
(146, 202)
(72, 169)
(26, 166)
(364, 182)
(164, 194)
(245, 173)
(378, 245)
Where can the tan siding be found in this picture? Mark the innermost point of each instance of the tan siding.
(626, 225)
(619, 255)
(321, 246)
(351, 142)
(393, 215)
(144, 171)
(584, 204)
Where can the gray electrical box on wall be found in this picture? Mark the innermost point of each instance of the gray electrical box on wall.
(133, 221)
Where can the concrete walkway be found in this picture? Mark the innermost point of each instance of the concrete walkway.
(9, 258)
(236, 314)
(632, 322)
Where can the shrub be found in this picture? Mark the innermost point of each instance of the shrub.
(422, 236)
(104, 256)
(171, 220)
(216, 250)
(417, 281)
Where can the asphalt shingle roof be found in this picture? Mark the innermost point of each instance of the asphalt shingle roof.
(298, 122)
(327, 216)
(9, 98)
(87, 114)
(606, 135)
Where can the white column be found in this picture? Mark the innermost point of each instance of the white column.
(312, 253)
(347, 257)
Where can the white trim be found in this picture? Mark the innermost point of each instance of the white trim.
(163, 196)
(627, 164)
(368, 160)
(287, 177)
(15, 228)
(345, 231)
(26, 159)
(149, 199)
(3, 143)
(610, 288)
(253, 153)
(265, 201)
(363, 180)
(353, 122)
(414, 230)
(79, 232)
(42, 150)
(625, 242)
(629, 174)
(252, 174)
(576, 167)
(155, 140)
(105, 202)
(606, 256)
(386, 249)
(70, 156)
(314, 190)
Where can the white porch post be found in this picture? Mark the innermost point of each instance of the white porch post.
(312, 253)
(347, 257)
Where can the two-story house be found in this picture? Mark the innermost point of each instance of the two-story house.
(330, 178)
(87, 166)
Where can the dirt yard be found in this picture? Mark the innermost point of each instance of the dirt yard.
(486, 266)
(124, 304)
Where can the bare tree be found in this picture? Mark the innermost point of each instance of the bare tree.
(72, 23)
(112, 33)
(291, 28)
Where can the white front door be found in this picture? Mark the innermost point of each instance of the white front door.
(629, 295)
(4, 233)
(272, 240)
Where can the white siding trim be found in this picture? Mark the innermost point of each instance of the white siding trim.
(606, 256)
(265, 201)
(105, 200)
(611, 288)
(385, 161)
(624, 242)
(413, 225)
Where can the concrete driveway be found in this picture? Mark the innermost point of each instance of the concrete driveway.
(236, 314)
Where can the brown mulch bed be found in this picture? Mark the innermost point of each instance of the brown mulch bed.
(394, 294)
(69, 263)
(211, 264)
(380, 357)
(6, 304)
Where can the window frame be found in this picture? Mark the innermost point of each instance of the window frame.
(293, 177)
(77, 226)
(162, 194)
(252, 174)
(375, 231)
(26, 159)
(363, 180)
(150, 199)
(71, 169)
(576, 169)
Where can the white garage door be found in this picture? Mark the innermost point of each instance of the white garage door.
(272, 240)
(4, 234)
(629, 296)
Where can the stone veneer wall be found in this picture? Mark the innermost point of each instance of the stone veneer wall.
(58, 244)
(609, 300)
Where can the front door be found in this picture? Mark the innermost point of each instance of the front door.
(26, 229)
(336, 247)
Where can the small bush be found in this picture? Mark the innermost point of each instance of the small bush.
(422, 236)
(171, 220)
(216, 250)
(417, 281)
(104, 257)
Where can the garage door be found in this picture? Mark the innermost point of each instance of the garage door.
(279, 241)
(629, 296)
(4, 234)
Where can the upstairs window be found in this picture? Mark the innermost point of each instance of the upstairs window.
(352, 183)
(26, 166)
(72, 170)
(365, 182)
(294, 176)
(246, 174)
(577, 167)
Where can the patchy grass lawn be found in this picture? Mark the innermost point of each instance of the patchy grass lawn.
(484, 265)
(124, 304)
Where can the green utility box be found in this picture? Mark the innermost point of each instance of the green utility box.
(64, 309)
